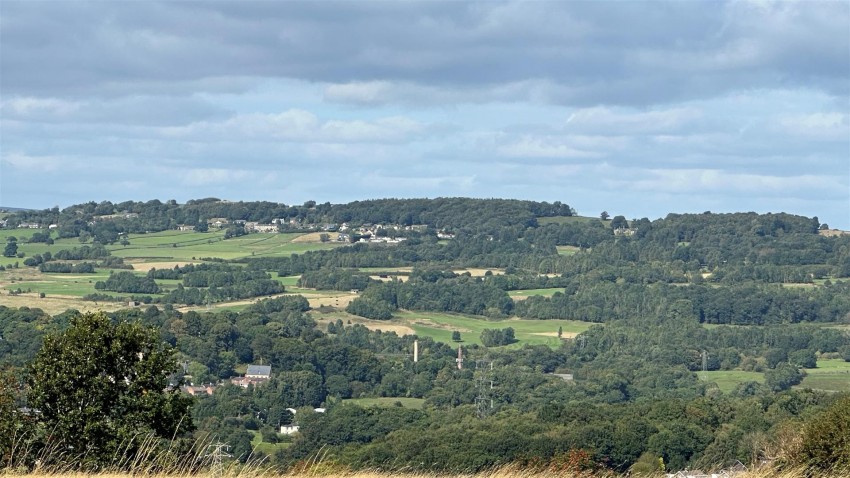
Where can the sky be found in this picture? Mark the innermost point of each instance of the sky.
(635, 108)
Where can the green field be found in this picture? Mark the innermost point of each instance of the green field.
(567, 250)
(727, 380)
(268, 448)
(831, 374)
(188, 245)
(22, 235)
(386, 402)
(288, 281)
(165, 246)
(439, 326)
(175, 246)
(61, 284)
(529, 292)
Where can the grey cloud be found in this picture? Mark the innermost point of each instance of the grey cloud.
(592, 53)
(132, 110)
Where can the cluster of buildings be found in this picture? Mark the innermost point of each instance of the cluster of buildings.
(254, 375)
(373, 233)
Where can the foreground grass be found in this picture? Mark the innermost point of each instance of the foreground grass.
(321, 469)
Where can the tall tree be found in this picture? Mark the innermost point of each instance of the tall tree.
(102, 388)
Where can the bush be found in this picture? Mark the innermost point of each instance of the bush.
(783, 377)
(497, 337)
(803, 358)
(826, 439)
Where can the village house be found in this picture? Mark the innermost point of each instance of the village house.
(293, 428)
(199, 390)
(255, 375)
(265, 228)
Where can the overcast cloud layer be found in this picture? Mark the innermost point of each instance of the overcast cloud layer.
(637, 108)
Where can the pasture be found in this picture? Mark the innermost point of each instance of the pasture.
(29, 278)
(259, 445)
(189, 246)
(177, 246)
(830, 374)
(524, 294)
(567, 250)
(727, 380)
(440, 326)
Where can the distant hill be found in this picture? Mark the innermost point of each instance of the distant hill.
(15, 209)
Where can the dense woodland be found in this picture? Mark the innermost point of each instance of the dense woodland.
(750, 292)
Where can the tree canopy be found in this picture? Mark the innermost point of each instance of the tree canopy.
(101, 388)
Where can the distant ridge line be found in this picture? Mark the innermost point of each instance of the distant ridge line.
(16, 209)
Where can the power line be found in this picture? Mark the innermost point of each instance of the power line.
(219, 451)
(484, 385)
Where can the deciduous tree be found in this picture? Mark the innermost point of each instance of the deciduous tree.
(101, 388)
